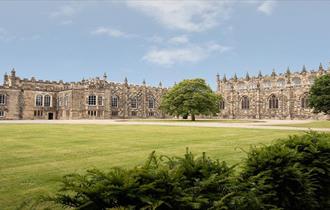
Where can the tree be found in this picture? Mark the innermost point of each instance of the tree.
(319, 95)
(190, 97)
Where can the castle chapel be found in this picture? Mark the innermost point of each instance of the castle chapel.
(277, 96)
(96, 98)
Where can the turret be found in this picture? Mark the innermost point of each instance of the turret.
(304, 71)
(288, 72)
(125, 81)
(218, 77)
(144, 82)
(274, 73)
(224, 78)
(259, 74)
(247, 76)
(105, 76)
(13, 73)
(160, 84)
(321, 69)
(235, 77)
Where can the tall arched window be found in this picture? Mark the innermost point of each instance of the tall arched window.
(304, 101)
(114, 101)
(151, 103)
(245, 102)
(280, 83)
(134, 103)
(92, 100)
(100, 101)
(222, 105)
(47, 100)
(273, 102)
(296, 81)
(39, 100)
(2, 99)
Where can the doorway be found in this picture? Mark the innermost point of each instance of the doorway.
(50, 116)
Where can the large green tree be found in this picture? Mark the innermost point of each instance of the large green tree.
(190, 97)
(319, 95)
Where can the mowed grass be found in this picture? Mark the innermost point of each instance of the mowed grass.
(197, 120)
(33, 158)
(314, 124)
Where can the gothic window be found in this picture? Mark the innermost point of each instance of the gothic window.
(304, 102)
(252, 85)
(241, 86)
(92, 100)
(267, 84)
(100, 101)
(311, 80)
(66, 100)
(273, 102)
(2, 99)
(222, 105)
(296, 81)
(2, 113)
(47, 100)
(280, 82)
(134, 103)
(151, 103)
(91, 113)
(245, 102)
(114, 101)
(39, 100)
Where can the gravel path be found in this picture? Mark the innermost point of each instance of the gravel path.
(262, 124)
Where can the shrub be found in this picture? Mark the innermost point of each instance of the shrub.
(161, 183)
(291, 174)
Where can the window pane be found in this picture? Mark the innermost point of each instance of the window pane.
(39, 100)
(47, 100)
(92, 100)
(2, 99)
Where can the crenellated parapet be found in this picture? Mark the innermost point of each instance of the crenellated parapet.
(274, 80)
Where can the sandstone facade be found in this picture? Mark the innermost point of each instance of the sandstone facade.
(96, 98)
(275, 96)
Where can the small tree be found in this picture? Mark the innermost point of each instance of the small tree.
(319, 95)
(190, 97)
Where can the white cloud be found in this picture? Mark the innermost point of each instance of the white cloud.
(66, 22)
(188, 15)
(110, 32)
(65, 11)
(183, 39)
(267, 7)
(190, 54)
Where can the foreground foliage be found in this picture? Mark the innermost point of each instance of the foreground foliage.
(291, 174)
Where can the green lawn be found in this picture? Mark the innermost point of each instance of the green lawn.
(197, 120)
(34, 157)
(315, 124)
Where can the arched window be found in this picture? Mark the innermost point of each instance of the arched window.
(222, 105)
(100, 101)
(134, 103)
(151, 103)
(267, 84)
(66, 100)
(280, 83)
(304, 101)
(92, 100)
(2, 99)
(47, 100)
(273, 102)
(39, 100)
(245, 102)
(114, 101)
(241, 86)
(296, 81)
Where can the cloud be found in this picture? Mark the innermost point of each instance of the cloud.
(188, 54)
(183, 39)
(65, 11)
(187, 15)
(110, 32)
(267, 7)
(5, 36)
(66, 22)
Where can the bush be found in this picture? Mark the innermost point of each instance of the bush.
(291, 174)
(162, 183)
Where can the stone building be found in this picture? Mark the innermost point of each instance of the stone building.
(275, 96)
(96, 98)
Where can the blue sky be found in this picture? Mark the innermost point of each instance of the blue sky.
(161, 40)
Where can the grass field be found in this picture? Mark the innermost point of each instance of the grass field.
(314, 124)
(34, 157)
(197, 120)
